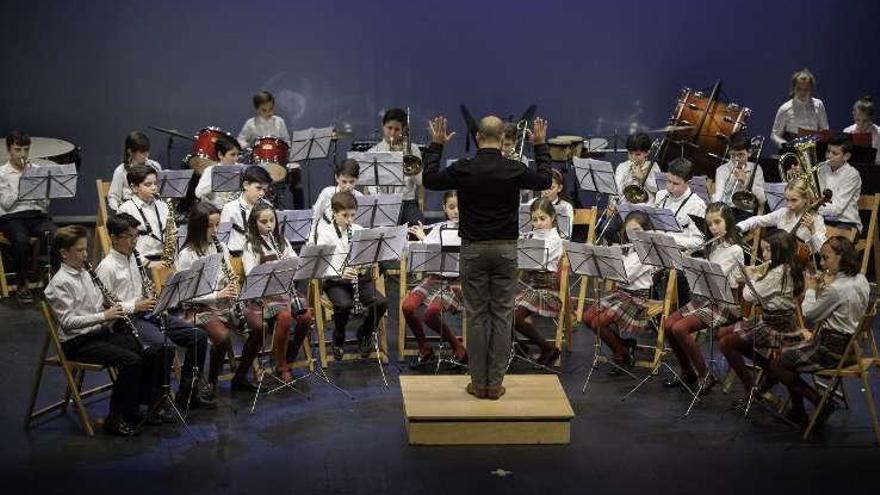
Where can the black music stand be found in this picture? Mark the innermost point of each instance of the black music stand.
(440, 259)
(181, 236)
(660, 250)
(662, 219)
(274, 278)
(307, 145)
(295, 225)
(603, 263)
(378, 210)
(382, 168)
(315, 262)
(42, 184)
(226, 178)
(699, 185)
(174, 183)
(775, 192)
(370, 246)
(707, 281)
(224, 232)
(597, 176)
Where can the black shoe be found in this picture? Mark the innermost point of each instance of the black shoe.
(631, 345)
(365, 346)
(242, 385)
(207, 390)
(115, 425)
(162, 415)
(24, 296)
(197, 400)
(422, 360)
(548, 357)
(827, 411)
(627, 365)
(338, 351)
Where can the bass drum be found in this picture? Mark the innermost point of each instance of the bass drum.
(203, 153)
(48, 151)
(711, 125)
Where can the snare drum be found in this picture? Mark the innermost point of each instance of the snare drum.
(203, 153)
(273, 153)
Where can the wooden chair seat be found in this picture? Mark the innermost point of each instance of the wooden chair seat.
(855, 369)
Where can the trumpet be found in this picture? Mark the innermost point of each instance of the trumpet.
(412, 165)
(519, 146)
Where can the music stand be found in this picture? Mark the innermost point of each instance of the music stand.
(699, 185)
(660, 250)
(174, 183)
(775, 192)
(378, 210)
(707, 281)
(42, 184)
(274, 278)
(603, 263)
(369, 246)
(307, 145)
(181, 236)
(226, 178)
(383, 168)
(597, 176)
(662, 219)
(295, 225)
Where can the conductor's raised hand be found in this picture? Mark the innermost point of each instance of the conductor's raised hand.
(539, 131)
(439, 131)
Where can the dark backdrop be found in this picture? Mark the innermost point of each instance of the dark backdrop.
(90, 71)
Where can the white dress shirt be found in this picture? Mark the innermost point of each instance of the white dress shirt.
(841, 305)
(250, 258)
(329, 236)
(724, 178)
(686, 204)
(152, 217)
(795, 114)
(257, 127)
(205, 190)
(185, 259)
(449, 232)
(9, 203)
(237, 212)
(784, 220)
(623, 177)
(776, 290)
(846, 186)
(120, 191)
(727, 256)
(875, 138)
(639, 275)
(410, 183)
(120, 275)
(322, 211)
(76, 301)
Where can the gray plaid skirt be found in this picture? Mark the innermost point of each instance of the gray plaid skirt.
(442, 290)
(774, 331)
(816, 355)
(540, 294)
(628, 309)
(712, 315)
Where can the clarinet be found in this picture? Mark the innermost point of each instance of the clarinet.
(110, 301)
(296, 303)
(232, 278)
(357, 308)
(148, 289)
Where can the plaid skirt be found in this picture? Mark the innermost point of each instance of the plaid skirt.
(628, 309)
(774, 331)
(203, 313)
(712, 315)
(816, 355)
(271, 306)
(438, 289)
(539, 293)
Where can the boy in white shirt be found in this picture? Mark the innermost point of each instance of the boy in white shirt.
(151, 212)
(264, 123)
(678, 198)
(228, 153)
(836, 174)
(346, 175)
(734, 175)
(634, 170)
(394, 139)
(254, 182)
(135, 152)
(21, 220)
(339, 286)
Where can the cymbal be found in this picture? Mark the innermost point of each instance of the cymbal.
(172, 132)
(670, 128)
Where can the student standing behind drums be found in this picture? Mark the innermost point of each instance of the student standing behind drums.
(135, 152)
(228, 153)
(264, 123)
(863, 123)
(802, 111)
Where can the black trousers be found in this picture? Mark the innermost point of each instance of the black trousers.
(138, 373)
(18, 229)
(340, 293)
(180, 333)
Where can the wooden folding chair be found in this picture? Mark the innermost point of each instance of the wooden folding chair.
(7, 288)
(74, 374)
(323, 313)
(588, 217)
(102, 241)
(661, 309)
(852, 364)
(101, 216)
(869, 244)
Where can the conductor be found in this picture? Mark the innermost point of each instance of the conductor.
(488, 188)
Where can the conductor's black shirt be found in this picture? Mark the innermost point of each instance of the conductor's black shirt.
(488, 188)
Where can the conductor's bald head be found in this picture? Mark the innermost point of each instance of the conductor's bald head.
(490, 132)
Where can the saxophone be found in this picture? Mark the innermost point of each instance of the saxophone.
(110, 301)
(357, 307)
(232, 278)
(169, 236)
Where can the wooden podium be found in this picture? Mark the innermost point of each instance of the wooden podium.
(438, 411)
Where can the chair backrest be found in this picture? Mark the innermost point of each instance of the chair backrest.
(586, 216)
(103, 237)
(871, 204)
(103, 188)
(52, 330)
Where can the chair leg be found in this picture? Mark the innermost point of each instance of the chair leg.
(821, 405)
(869, 397)
(38, 379)
(4, 286)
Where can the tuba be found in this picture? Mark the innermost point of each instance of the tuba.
(636, 193)
(801, 164)
(412, 164)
